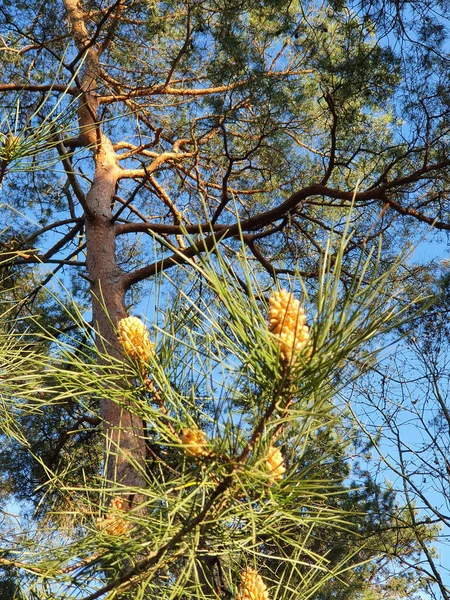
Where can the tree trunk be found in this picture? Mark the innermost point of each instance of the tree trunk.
(124, 432)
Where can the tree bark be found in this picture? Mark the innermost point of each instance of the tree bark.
(124, 431)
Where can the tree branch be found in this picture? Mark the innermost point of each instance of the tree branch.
(331, 162)
(270, 216)
(172, 91)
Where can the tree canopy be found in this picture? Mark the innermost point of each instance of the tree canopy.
(208, 164)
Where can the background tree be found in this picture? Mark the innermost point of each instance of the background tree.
(409, 390)
(201, 127)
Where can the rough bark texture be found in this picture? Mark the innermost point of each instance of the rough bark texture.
(123, 430)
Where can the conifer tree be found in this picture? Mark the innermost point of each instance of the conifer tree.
(228, 169)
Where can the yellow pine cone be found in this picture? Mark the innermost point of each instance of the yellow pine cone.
(9, 146)
(275, 464)
(195, 442)
(114, 523)
(287, 321)
(252, 586)
(135, 340)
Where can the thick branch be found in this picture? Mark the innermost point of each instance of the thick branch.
(270, 216)
(152, 167)
(44, 87)
(331, 162)
(119, 4)
(173, 91)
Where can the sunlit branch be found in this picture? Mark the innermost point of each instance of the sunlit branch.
(207, 91)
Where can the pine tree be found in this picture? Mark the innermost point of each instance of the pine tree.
(200, 154)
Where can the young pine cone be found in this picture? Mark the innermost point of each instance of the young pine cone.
(135, 340)
(114, 522)
(275, 464)
(287, 321)
(195, 443)
(252, 587)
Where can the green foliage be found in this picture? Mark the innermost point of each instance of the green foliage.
(215, 367)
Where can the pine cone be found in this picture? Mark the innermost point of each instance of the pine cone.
(114, 522)
(135, 340)
(195, 442)
(275, 464)
(287, 321)
(252, 586)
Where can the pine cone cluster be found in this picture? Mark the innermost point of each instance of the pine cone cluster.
(195, 442)
(275, 464)
(252, 586)
(114, 522)
(135, 340)
(287, 321)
